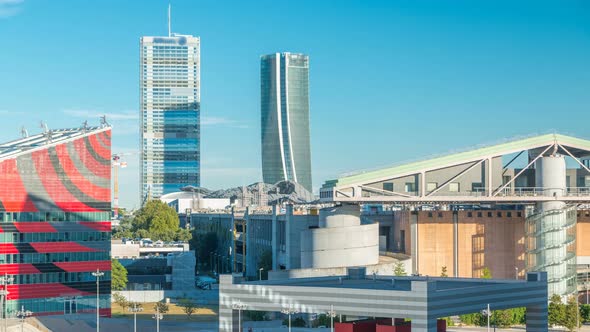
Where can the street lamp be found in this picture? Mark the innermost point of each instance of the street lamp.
(332, 314)
(5, 280)
(158, 316)
(488, 313)
(22, 315)
(98, 274)
(135, 309)
(260, 273)
(587, 268)
(239, 307)
(289, 312)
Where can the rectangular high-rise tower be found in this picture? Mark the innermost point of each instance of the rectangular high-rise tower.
(170, 112)
(284, 84)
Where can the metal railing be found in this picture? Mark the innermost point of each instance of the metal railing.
(510, 192)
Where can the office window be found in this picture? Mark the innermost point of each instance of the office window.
(388, 186)
(430, 186)
(410, 187)
(470, 214)
(454, 187)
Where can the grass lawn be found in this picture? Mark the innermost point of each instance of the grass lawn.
(204, 313)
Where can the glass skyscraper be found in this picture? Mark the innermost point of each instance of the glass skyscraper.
(284, 84)
(170, 112)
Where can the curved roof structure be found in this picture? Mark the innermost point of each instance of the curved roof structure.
(344, 187)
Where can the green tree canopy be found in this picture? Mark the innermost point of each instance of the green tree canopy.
(486, 273)
(571, 319)
(399, 269)
(443, 272)
(556, 311)
(157, 218)
(118, 275)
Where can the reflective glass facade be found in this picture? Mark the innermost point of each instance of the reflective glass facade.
(55, 206)
(284, 85)
(170, 108)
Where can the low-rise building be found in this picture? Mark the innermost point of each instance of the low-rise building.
(166, 267)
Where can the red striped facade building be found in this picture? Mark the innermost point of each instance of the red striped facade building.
(55, 230)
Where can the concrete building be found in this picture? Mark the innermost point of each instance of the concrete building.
(170, 110)
(55, 230)
(284, 100)
(421, 299)
(165, 267)
(183, 201)
(471, 210)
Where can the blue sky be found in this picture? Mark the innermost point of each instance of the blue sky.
(390, 80)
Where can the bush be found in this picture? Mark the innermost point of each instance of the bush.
(188, 307)
(295, 322)
(161, 307)
(255, 316)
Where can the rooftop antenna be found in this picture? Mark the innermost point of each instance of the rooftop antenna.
(84, 125)
(169, 30)
(23, 132)
(43, 126)
(103, 121)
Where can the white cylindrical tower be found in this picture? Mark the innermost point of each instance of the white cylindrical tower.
(550, 231)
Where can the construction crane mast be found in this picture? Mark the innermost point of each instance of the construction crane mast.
(117, 163)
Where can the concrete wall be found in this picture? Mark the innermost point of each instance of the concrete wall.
(200, 296)
(183, 271)
(385, 269)
(583, 237)
(340, 246)
(483, 239)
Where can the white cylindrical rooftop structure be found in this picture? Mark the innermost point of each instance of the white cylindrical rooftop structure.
(340, 216)
(341, 240)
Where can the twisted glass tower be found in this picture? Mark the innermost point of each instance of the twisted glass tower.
(170, 113)
(284, 84)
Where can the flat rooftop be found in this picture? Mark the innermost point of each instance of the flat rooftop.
(397, 283)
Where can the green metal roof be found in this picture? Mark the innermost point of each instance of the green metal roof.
(456, 158)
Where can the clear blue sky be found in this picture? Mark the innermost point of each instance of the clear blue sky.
(390, 80)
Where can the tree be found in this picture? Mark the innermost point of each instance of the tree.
(443, 273)
(486, 273)
(265, 262)
(120, 300)
(501, 318)
(585, 313)
(183, 234)
(571, 319)
(556, 310)
(159, 219)
(118, 275)
(188, 307)
(399, 269)
(161, 306)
